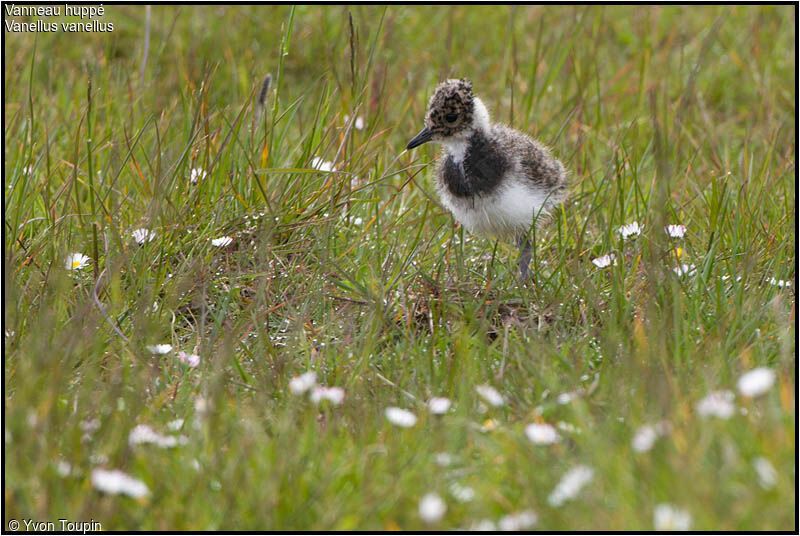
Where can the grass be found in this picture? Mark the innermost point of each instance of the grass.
(665, 115)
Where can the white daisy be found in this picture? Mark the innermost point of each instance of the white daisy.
(669, 518)
(143, 235)
(431, 508)
(461, 493)
(646, 436)
(160, 349)
(675, 231)
(570, 485)
(98, 459)
(190, 359)
(401, 417)
(144, 434)
(443, 458)
(322, 165)
(63, 468)
(756, 382)
(568, 427)
(684, 269)
(488, 425)
(175, 425)
(605, 261)
(116, 482)
(358, 221)
(566, 398)
(779, 282)
(359, 123)
(516, 522)
(490, 394)
(77, 261)
(335, 395)
(300, 384)
(542, 434)
(630, 229)
(201, 405)
(438, 405)
(90, 425)
(767, 475)
(222, 241)
(716, 404)
(196, 175)
(484, 525)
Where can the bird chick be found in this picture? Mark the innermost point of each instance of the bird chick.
(495, 180)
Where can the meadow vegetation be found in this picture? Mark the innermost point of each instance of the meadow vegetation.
(341, 261)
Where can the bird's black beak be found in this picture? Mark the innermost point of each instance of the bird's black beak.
(424, 136)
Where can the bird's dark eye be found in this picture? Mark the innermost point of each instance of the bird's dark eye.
(451, 118)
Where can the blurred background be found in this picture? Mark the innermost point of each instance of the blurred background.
(299, 236)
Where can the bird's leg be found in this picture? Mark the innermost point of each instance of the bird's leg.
(524, 245)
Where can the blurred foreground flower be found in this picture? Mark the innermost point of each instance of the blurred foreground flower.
(488, 425)
(669, 518)
(401, 417)
(566, 398)
(438, 405)
(542, 434)
(490, 394)
(300, 384)
(484, 525)
(175, 425)
(144, 434)
(431, 508)
(461, 493)
(116, 482)
(190, 359)
(443, 458)
(570, 485)
(646, 436)
(716, 404)
(516, 522)
(756, 382)
(767, 475)
(64, 468)
(335, 395)
(77, 261)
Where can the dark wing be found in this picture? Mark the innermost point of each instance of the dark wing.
(542, 168)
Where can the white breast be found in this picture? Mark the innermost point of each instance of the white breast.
(506, 212)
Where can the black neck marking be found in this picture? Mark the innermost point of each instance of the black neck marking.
(481, 170)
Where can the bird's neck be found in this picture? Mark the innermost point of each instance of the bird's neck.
(457, 146)
(480, 118)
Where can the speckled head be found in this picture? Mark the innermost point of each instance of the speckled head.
(453, 111)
